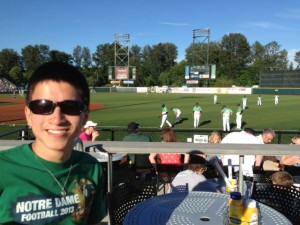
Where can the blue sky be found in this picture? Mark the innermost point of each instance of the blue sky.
(64, 24)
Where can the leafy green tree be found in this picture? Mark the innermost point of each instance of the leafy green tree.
(16, 76)
(135, 59)
(174, 76)
(77, 56)
(275, 58)
(55, 55)
(34, 56)
(159, 58)
(103, 58)
(214, 52)
(234, 55)
(196, 54)
(86, 57)
(297, 58)
(9, 58)
(223, 82)
(257, 55)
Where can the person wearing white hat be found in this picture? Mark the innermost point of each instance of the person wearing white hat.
(89, 133)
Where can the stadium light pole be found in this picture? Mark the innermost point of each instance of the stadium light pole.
(202, 35)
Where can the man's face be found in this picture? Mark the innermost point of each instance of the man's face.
(267, 138)
(55, 132)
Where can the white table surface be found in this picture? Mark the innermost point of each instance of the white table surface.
(103, 156)
(191, 208)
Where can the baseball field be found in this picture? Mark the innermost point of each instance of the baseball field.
(121, 108)
(118, 109)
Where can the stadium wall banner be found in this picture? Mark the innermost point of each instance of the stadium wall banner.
(190, 90)
(231, 90)
(142, 89)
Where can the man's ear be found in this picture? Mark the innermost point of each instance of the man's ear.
(28, 115)
(85, 117)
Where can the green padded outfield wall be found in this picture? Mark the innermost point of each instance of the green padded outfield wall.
(278, 91)
(278, 79)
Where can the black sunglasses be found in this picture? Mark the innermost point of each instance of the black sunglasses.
(46, 107)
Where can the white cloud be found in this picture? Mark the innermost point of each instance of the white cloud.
(289, 14)
(175, 24)
(268, 25)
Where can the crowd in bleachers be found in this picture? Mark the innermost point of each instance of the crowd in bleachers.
(6, 85)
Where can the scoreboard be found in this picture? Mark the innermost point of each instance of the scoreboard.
(200, 72)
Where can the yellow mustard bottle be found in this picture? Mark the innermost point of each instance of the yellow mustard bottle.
(236, 206)
(250, 215)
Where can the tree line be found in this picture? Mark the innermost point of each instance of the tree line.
(238, 62)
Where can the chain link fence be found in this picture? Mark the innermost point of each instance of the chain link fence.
(23, 132)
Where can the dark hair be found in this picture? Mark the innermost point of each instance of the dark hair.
(58, 71)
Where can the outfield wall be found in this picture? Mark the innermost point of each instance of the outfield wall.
(278, 91)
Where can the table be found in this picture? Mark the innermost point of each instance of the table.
(103, 156)
(192, 208)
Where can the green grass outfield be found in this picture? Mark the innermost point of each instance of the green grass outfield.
(122, 108)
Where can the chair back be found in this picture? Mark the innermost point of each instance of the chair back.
(296, 179)
(142, 161)
(125, 196)
(283, 199)
(179, 188)
(262, 178)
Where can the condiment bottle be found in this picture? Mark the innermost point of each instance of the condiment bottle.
(250, 215)
(235, 208)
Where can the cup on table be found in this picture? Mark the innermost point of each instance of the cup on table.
(233, 182)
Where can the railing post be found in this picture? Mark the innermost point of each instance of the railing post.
(112, 134)
(279, 137)
(109, 173)
(241, 177)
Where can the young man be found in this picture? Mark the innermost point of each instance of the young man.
(244, 102)
(226, 113)
(259, 100)
(177, 113)
(276, 99)
(136, 136)
(164, 116)
(47, 182)
(197, 110)
(192, 179)
(239, 112)
(215, 99)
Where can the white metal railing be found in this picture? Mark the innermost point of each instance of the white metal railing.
(112, 147)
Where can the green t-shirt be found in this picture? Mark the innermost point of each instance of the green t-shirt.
(226, 112)
(136, 137)
(30, 195)
(175, 110)
(239, 111)
(197, 108)
(164, 110)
